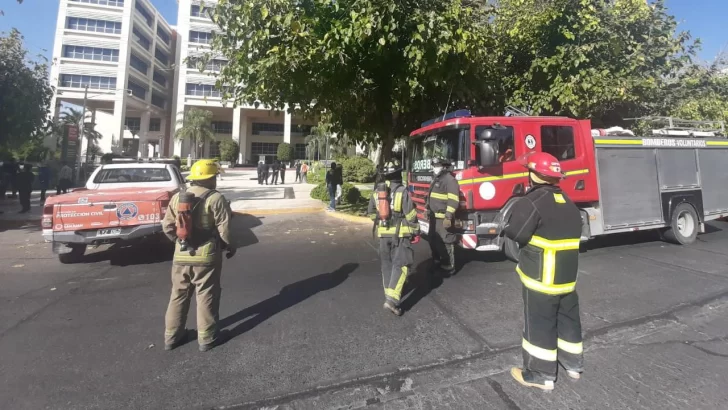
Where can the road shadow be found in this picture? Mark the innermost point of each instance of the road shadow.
(21, 226)
(241, 229)
(149, 251)
(288, 296)
(420, 283)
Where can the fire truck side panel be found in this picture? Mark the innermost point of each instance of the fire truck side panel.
(714, 178)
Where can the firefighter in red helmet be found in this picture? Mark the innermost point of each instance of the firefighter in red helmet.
(547, 226)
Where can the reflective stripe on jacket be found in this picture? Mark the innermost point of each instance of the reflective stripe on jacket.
(547, 225)
(403, 211)
(444, 196)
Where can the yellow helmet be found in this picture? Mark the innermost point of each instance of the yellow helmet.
(203, 169)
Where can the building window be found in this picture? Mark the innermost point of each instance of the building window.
(222, 127)
(133, 124)
(214, 149)
(99, 26)
(155, 124)
(137, 90)
(140, 65)
(91, 53)
(140, 38)
(130, 147)
(163, 35)
(116, 3)
(159, 78)
(93, 82)
(202, 37)
(264, 148)
(202, 90)
(158, 101)
(265, 128)
(558, 141)
(212, 65)
(144, 12)
(302, 129)
(160, 56)
(300, 151)
(198, 11)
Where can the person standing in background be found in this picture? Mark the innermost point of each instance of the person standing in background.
(64, 178)
(10, 171)
(304, 173)
(298, 171)
(24, 185)
(260, 172)
(332, 180)
(274, 169)
(266, 171)
(44, 177)
(283, 173)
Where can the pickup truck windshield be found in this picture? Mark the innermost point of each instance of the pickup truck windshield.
(122, 175)
(445, 143)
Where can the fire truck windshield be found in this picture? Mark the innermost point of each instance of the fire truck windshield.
(444, 143)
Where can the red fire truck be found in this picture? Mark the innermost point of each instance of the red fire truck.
(673, 180)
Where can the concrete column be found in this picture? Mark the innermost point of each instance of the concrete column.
(287, 127)
(144, 135)
(236, 128)
(118, 127)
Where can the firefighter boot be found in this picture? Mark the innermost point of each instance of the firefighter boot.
(573, 374)
(392, 308)
(179, 342)
(527, 379)
(448, 266)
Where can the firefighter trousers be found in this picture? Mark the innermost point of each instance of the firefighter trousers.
(552, 334)
(442, 243)
(397, 257)
(204, 281)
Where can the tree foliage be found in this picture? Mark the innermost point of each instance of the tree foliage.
(25, 93)
(196, 126)
(229, 151)
(285, 152)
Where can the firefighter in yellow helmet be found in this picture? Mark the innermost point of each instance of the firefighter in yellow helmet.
(197, 263)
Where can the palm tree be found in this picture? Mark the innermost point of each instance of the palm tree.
(196, 126)
(318, 140)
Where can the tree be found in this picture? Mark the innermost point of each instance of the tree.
(196, 126)
(25, 93)
(75, 117)
(1, 11)
(285, 152)
(377, 67)
(229, 151)
(319, 139)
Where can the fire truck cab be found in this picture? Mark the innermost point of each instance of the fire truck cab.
(669, 181)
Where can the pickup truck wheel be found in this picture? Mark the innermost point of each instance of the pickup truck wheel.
(511, 249)
(684, 224)
(74, 256)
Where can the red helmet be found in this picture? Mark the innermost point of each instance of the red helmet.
(542, 163)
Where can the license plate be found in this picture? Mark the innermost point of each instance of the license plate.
(424, 227)
(108, 232)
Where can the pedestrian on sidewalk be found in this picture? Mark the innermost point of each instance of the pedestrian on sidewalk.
(64, 179)
(266, 171)
(283, 173)
(332, 181)
(298, 172)
(24, 182)
(547, 226)
(275, 168)
(304, 172)
(44, 178)
(260, 172)
(10, 174)
(198, 270)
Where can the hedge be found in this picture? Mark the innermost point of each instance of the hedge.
(350, 194)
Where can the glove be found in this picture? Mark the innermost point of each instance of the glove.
(447, 223)
(231, 252)
(415, 240)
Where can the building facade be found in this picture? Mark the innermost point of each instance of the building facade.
(257, 131)
(116, 57)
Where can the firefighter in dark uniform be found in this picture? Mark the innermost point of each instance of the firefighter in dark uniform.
(547, 226)
(198, 270)
(395, 232)
(442, 201)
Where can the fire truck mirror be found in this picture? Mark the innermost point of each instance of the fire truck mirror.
(486, 153)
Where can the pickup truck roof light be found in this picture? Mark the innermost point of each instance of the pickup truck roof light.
(447, 116)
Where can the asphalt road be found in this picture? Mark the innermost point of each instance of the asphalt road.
(302, 305)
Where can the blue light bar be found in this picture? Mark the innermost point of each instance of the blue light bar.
(447, 116)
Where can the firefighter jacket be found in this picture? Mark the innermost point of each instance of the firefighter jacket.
(547, 226)
(444, 196)
(211, 229)
(403, 219)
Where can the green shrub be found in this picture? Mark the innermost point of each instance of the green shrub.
(358, 169)
(229, 150)
(316, 177)
(349, 195)
(285, 152)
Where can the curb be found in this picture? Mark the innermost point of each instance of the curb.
(254, 212)
(350, 218)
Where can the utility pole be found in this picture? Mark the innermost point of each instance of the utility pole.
(81, 133)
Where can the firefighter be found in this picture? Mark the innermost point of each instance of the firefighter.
(442, 201)
(200, 266)
(395, 224)
(547, 226)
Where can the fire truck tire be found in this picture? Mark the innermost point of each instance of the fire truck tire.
(74, 256)
(511, 249)
(684, 225)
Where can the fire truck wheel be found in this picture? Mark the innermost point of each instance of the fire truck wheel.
(684, 225)
(74, 256)
(511, 249)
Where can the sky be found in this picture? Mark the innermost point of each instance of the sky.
(36, 20)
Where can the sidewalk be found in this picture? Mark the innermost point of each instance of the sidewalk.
(11, 206)
(240, 186)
